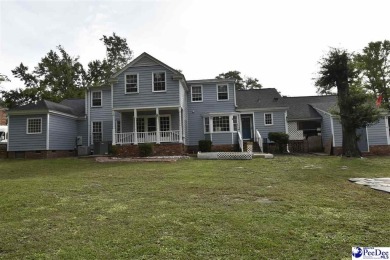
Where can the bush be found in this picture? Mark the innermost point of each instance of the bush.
(281, 139)
(204, 146)
(114, 150)
(145, 150)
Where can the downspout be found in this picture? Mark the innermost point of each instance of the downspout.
(47, 131)
(286, 126)
(88, 115)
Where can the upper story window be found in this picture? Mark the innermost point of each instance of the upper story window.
(131, 83)
(222, 92)
(34, 125)
(268, 119)
(96, 98)
(196, 93)
(159, 81)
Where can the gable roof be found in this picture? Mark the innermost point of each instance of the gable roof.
(301, 108)
(149, 57)
(73, 107)
(259, 98)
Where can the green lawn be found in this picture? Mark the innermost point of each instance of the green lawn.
(285, 208)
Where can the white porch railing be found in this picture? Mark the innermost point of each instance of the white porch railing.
(148, 137)
(259, 140)
(240, 142)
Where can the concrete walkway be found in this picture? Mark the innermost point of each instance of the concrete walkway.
(382, 184)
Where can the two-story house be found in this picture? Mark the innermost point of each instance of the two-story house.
(148, 101)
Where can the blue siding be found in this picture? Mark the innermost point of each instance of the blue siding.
(103, 113)
(224, 138)
(19, 140)
(62, 133)
(209, 105)
(338, 132)
(326, 127)
(82, 130)
(377, 133)
(279, 123)
(145, 97)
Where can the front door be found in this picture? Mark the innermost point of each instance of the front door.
(246, 127)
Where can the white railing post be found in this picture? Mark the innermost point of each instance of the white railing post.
(157, 126)
(113, 128)
(135, 127)
(180, 127)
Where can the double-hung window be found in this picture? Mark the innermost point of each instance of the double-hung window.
(222, 92)
(165, 124)
(268, 119)
(224, 123)
(97, 132)
(159, 81)
(118, 126)
(131, 83)
(34, 125)
(206, 124)
(96, 98)
(196, 94)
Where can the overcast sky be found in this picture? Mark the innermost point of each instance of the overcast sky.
(279, 42)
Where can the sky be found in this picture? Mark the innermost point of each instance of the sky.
(278, 42)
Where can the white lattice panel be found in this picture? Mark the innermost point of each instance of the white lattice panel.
(293, 131)
(234, 156)
(249, 147)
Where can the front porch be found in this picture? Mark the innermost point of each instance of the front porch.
(150, 125)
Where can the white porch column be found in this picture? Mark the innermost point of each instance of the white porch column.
(180, 127)
(135, 127)
(113, 128)
(157, 125)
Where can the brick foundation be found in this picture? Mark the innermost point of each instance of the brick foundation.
(158, 150)
(374, 150)
(41, 154)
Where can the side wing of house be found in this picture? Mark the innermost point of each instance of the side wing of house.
(27, 132)
(62, 132)
(270, 121)
(211, 112)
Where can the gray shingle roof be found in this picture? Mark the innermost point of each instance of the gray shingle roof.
(300, 108)
(259, 98)
(74, 107)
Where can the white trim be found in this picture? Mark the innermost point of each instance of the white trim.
(387, 129)
(165, 81)
(87, 96)
(234, 93)
(30, 118)
(62, 114)
(368, 141)
(101, 98)
(8, 123)
(227, 89)
(128, 109)
(47, 132)
(201, 91)
(272, 119)
(131, 73)
(285, 122)
(261, 109)
(332, 129)
(251, 119)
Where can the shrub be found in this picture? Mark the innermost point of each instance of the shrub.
(114, 150)
(204, 146)
(281, 139)
(145, 150)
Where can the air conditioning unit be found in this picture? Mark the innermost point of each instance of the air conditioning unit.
(83, 151)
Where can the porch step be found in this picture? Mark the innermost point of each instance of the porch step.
(255, 149)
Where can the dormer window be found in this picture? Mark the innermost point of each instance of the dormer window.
(131, 83)
(159, 81)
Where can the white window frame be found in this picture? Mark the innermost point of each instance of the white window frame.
(131, 74)
(210, 120)
(116, 126)
(27, 123)
(227, 90)
(101, 98)
(272, 119)
(206, 119)
(201, 92)
(165, 82)
(92, 132)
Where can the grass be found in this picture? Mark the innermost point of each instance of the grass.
(286, 208)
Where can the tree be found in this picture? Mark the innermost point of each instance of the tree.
(3, 78)
(60, 76)
(374, 63)
(118, 55)
(241, 84)
(337, 70)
